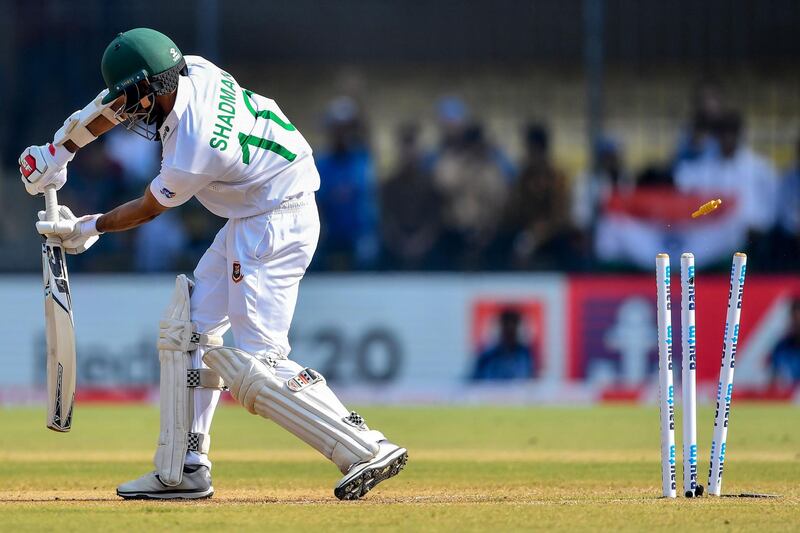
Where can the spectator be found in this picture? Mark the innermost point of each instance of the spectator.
(346, 199)
(410, 208)
(593, 188)
(738, 173)
(654, 218)
(95, 181)
(160, 244)
(95, 185)
(509, 358)
(538, 212)
(454, 120)
(654, 175)
(698, 141)
(199, 229)
(474, 189)
(785, 358)
(138, 158)
(788, 235)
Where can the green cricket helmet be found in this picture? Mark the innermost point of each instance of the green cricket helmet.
(141, 63)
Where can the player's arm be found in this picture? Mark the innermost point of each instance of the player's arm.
(98, 126)
(45, 165)
(173, 187)
(77, 234)
(87, 124)
(131, 214)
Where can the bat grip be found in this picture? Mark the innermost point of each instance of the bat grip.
(50, 203)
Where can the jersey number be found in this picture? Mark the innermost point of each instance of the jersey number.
(246, 141)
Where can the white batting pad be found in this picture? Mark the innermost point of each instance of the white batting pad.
(303, 405)
(176, 338)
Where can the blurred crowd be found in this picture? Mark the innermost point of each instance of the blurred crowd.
(461, 203)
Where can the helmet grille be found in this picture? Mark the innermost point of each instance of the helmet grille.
(167, 81)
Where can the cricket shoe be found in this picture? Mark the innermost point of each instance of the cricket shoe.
(195, 484)
(362, 477)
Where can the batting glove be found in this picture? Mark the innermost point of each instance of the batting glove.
(40, 166)
(77, 234)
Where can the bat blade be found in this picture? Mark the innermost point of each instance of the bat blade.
(60, 333)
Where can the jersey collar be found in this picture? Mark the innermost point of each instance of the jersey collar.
(167, 129)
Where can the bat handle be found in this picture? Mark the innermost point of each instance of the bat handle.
(50, 203)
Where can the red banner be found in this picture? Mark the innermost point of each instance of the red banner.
(612, 328)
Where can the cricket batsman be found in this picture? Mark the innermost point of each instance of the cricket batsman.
(241, 157)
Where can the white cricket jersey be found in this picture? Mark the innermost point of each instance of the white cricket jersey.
(234, 150)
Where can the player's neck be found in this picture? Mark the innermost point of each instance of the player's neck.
(167, 101)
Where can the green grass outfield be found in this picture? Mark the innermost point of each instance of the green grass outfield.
(469, 469)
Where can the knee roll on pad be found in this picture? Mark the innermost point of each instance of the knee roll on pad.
(303, 405)
(177, 337)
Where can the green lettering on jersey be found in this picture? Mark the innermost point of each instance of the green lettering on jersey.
(251, 140)
(226, 104)
(218, 143)
(265, 113)
(227, 119)
(221, 131)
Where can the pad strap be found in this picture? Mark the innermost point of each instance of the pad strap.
(204, 378)
(181, 335)
(198, 442)
(203, 339)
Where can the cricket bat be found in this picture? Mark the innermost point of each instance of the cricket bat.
(59, 326)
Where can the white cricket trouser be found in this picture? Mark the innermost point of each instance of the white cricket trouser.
(248, 280)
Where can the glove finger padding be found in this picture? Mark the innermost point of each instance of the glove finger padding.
(84, 235)
(60, 228)
(64, 213)
(77, 234)
(83, 247)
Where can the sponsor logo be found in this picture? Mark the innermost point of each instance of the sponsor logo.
(166, 192)
(303, 379)
(58, 420)
(236, 273)
(27, 165)
(693, 454)
(175, 55)
(672, 468)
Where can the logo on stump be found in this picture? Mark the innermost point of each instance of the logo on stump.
(237, 276)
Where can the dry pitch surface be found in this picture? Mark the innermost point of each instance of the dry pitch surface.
(498, 469)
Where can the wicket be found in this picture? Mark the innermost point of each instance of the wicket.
(666, 387)
(725, 387)
(688, 375)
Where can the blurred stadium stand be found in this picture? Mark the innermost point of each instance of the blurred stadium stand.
(515, 63)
